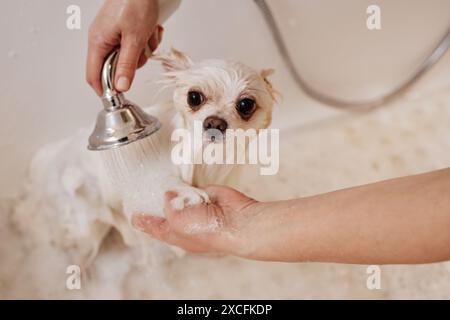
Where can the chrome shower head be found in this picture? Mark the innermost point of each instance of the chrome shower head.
(121, 121)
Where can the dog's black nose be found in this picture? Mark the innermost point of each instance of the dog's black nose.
(213, 122)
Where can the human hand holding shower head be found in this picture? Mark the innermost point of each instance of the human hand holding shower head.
(121, 121)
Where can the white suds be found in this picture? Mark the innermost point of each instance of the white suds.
(212, 226)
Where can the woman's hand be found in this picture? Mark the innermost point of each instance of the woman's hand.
(132, 24)
(230, 224)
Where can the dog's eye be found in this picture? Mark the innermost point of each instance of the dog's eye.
(195, 99)
(246, 107)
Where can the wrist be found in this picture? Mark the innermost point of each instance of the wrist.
(267, 232)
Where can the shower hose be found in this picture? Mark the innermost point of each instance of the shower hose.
(362, 105)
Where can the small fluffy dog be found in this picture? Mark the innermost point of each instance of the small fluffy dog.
(220, 95)
(70, 198)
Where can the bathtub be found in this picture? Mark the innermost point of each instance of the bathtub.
(45, 98)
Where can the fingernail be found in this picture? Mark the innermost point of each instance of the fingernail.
(123, 83)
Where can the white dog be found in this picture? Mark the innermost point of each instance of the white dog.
(70, 195)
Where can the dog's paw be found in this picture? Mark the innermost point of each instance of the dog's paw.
(188, 196)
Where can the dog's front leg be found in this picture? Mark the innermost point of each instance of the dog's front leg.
(186, 193)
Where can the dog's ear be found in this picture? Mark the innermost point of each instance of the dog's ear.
(265, 73)
(174, 60)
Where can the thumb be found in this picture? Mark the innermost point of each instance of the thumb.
(227, 197)
(130, 51)
(198, 218)
(220, 194)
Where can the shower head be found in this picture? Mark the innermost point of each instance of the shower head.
(121, 121)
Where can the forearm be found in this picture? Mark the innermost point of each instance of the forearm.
(405, 220)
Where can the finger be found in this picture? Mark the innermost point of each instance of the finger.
(94, 63)
(148, 50)
(130, 51)
(156, 38)
(157, 227)
(160, 33)
(219, 192)
(233, 198)
(145, 55)
(142, 60)
(198, 228)
(169, 195)
(148, 223)
(192, 220)
(153, 42)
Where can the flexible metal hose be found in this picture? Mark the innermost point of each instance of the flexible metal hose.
(363, 105)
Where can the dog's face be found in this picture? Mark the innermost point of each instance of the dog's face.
(219, 94)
